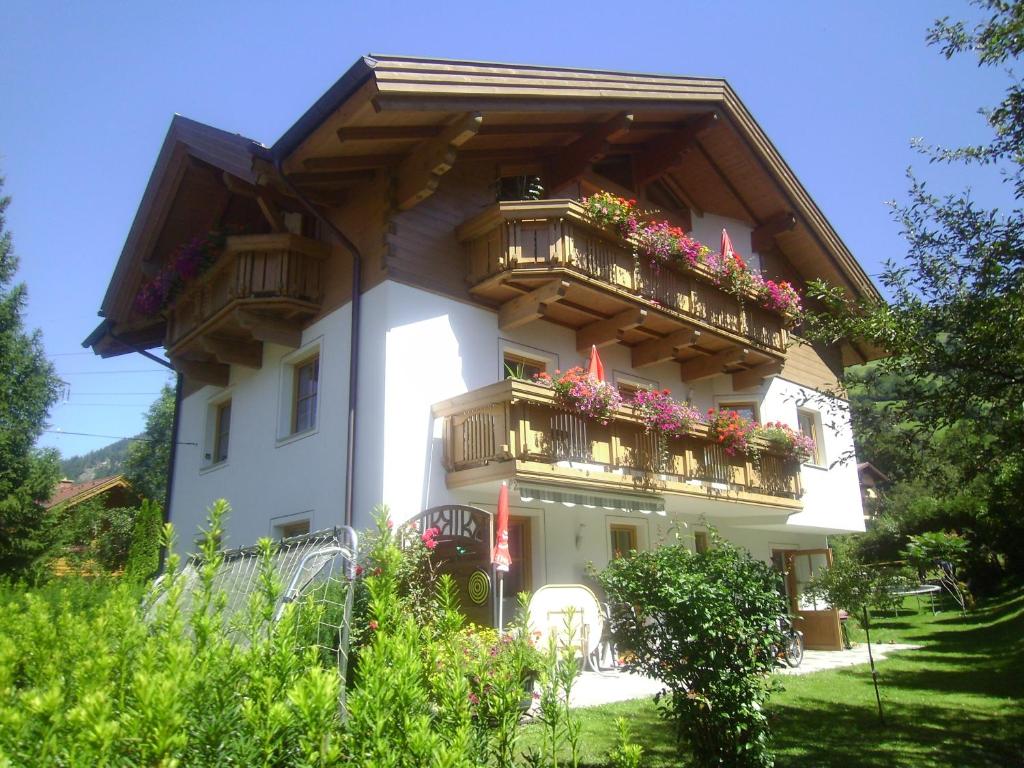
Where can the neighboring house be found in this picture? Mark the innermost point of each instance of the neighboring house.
(115, 491)
(409, 158)
(873, 482)
(111, 492)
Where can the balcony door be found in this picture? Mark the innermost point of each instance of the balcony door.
(818, 621)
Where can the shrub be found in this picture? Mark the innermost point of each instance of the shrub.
(704, 624)
(91, 675)
(144, 550)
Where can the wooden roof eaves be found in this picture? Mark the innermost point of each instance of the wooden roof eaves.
(184, 138)
(777, 168)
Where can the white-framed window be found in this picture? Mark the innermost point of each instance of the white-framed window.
(748, 409)
(629, 384)
(217, 440)
(301, 383)
(809, 423)
(521, 361)
(623, 535)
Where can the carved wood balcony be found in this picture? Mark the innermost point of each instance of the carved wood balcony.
(515, 430)
(543, 258)
(261, 288)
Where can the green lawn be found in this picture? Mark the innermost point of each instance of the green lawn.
(958, 701)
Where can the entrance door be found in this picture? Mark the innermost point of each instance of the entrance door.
(818, 621)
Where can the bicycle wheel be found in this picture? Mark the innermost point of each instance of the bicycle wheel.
(794, 652)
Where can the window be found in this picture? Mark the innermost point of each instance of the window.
(294, 528)
(701, 542)
(519, 366)
(222, 432)
(748, 410)
(307, 376)
(623, 540)
(807, 421)
(627, 390)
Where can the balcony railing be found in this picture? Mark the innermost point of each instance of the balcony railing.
(515, 429)
(277, 276)
(520, 239)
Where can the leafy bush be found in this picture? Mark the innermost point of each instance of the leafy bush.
(144, 550)
(92, 675)
(926, 550)
(704, 624)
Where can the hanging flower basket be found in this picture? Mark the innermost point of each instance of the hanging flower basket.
(577, 392)
(186, 263)
(664, 244)
(660, 413)
(785, 440)
(733, 432)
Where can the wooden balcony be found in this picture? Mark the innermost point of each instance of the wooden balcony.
(543, 258)
(514, 430)
(261, 289)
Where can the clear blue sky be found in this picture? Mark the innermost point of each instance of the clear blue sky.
(87, 91)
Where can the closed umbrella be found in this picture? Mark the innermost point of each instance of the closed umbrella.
(595, 368)
(501, 558)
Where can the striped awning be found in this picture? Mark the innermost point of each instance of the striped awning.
(591, 500)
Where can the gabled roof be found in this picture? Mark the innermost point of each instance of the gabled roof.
(68, 493)
(390, 103)
(187, 141)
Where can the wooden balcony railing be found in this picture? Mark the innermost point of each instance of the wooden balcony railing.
(276, 277)
(515, 429)
(518, 239)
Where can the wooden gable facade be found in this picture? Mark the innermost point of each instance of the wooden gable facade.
(408, 158)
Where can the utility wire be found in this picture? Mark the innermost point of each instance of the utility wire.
(107, 373)
(113, 437)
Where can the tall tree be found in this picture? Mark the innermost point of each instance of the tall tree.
(945, 411)
(954, 326)
(28, 387)
(148, 458)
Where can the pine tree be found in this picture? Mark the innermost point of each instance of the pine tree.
(28, 387)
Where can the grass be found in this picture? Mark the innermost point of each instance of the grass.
(957, 701)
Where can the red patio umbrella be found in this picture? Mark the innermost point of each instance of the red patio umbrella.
(501, 558)
(727, 249)
(595, 368)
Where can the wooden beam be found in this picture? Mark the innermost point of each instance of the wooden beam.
(728, 184)
(666, 152)
(271, 214)
(420, 172)
(763, 237)
(215, 374)
(331, 178)
(350, 162)
(388, 132)
(270, 329)
(705, 367)
(248, 354)
(753, 377)
(577, 157)
(605, 332)
(665, 348)
(531, 306)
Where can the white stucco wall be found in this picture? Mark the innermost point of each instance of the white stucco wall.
(268, 480)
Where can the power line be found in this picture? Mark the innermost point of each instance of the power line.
(107, 373)
(76, 394)
(113, 437)
(107, 405)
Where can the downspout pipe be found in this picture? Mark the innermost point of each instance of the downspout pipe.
(353, 354)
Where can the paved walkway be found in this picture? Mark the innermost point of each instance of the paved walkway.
(595, 688)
